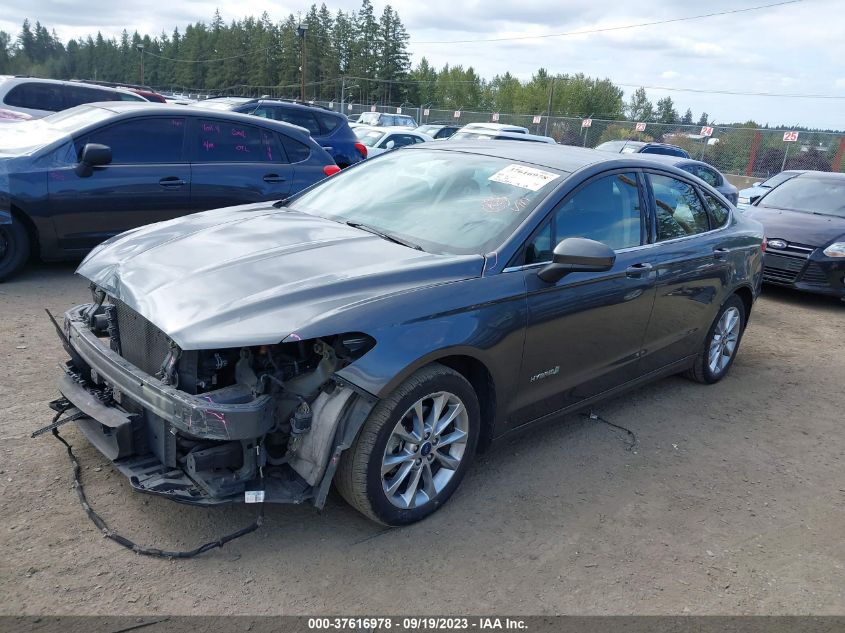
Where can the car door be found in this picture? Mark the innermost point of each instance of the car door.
(690, 257)
(235, 163)
(148, 180)
(584, 333)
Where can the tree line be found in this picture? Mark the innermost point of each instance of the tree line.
(369, 50)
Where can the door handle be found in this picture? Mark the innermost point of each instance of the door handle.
(638, 270)
(171, 182)
(273, 178)
(720, 253)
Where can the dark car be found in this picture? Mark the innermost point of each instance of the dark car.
(804, 221)
(750, 195)
(707, 173)
(381, 326)
(41, 97)
(75, 178)
(438, 130)
(640, 147)
(330, 129)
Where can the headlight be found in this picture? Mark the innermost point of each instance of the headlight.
(744, 200)
(837, 249)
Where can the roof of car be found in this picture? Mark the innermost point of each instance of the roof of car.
(167, 109)
(674, 160)
(820, 175)
(565, 158)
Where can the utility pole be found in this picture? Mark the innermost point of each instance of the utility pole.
(302, 31)
(140, 48)
(342, 93)
(549, 109)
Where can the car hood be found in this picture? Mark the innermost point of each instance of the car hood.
(254, 274)
(797, 227)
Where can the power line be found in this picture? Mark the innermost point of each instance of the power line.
(612, 28)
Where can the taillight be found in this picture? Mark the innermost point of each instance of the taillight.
(331, 170)
(362, 149)
(764, 245)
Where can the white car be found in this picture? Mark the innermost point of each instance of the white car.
(484, 134)
(41, 97)
(496, 127)
(383, 139)
(383, 119)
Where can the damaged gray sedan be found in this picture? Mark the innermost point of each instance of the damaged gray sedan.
(379, 328)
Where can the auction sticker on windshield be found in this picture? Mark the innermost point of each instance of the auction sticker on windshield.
(524, 177)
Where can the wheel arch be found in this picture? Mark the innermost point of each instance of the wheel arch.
(746, 295)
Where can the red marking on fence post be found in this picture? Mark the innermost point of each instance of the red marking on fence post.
(752, 157)
(837, 160)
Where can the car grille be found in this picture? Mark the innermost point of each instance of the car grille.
(782, 268)
(141, 342)
(814, 275)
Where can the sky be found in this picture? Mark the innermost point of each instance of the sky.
(796, 48)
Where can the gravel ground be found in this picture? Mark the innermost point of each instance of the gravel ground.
(732, 502)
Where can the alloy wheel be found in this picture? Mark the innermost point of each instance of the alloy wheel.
(724, 341)
(424, 450)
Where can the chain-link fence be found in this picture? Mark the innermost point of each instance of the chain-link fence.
(756, 153)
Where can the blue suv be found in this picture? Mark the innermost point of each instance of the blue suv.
(330, 129)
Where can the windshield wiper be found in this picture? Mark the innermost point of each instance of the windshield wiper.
(383, 235)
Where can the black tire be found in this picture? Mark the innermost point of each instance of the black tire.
(701, 370)
(359, 477)
(14, 248)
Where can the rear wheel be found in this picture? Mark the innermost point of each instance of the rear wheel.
(721, 344)
(413, 450)
(14, 248)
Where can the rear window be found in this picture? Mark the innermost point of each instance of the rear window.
(328, 122)
(36, 96)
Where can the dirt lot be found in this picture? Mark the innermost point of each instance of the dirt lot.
(733, 502)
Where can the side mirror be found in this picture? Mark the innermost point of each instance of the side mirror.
(390, 145)
(577, 254)
(93, 155)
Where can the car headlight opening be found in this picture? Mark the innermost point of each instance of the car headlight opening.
(837, 249)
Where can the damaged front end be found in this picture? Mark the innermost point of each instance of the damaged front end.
(200, 426)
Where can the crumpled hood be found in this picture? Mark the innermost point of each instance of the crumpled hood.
(797, 227)
(253, 274)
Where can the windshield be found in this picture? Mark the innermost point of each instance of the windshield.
(775, 180)
(368, 137)
(808, 195)
(445, 202)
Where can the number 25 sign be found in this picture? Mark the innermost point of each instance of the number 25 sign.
(790, 137)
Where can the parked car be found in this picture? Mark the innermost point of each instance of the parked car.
(330, 129)
(750, 195)
(707, 173)
(78, 177)
(145, 91)
(378, 140)
(804, 221)
(486, 135)
(639, 147)
(438, 130)
(497, 127)
(378, 328)
(40, 97)
(382, 119)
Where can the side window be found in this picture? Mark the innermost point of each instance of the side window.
(328, 123)
(37, 96)
(228, 142)
(77, 95)
(298, 117)
(718, 211)
(679, 209)
(607, 210)
(140, 141)
(296, 151)
(710, 177)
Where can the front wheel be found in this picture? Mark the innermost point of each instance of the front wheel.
(721, 344)
(14, 248)
(413, 450)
